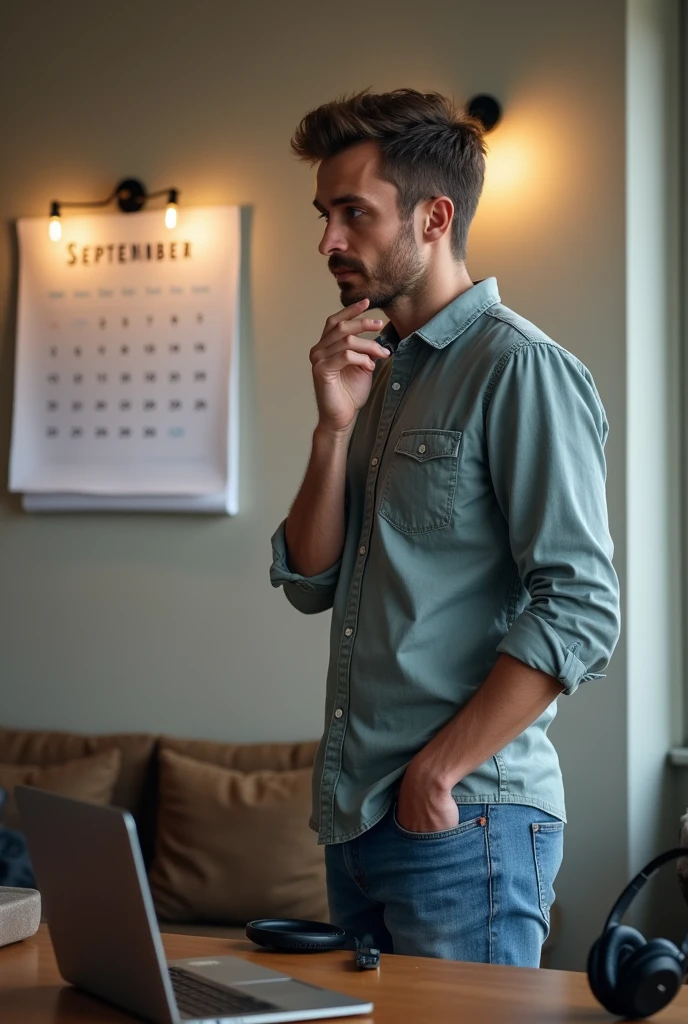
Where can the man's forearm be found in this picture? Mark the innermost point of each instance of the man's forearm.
(512, 697)
(315, 526)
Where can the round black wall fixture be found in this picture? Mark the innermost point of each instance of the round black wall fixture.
(485, 109)
(131, 195)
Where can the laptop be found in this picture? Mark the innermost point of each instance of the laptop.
(90, 873)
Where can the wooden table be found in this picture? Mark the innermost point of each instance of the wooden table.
(405, 989)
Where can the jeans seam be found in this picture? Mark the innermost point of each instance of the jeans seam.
(490, 887)
(353, 867)
(542, 895)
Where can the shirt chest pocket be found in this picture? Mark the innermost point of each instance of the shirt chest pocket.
(418, 491)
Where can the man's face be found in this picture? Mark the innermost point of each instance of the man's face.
(372, 253)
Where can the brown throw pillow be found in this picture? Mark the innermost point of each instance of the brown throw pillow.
(86, 778)
(232, 846)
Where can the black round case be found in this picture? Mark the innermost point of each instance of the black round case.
(295, 936)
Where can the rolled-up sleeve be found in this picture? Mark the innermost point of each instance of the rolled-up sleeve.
(546, 430)
(309, 594)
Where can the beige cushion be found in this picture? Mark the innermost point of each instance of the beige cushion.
(233, 845)
(48, 747)
(86, 778)
(245, 757)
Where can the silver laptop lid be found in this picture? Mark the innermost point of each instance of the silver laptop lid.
(97, 902)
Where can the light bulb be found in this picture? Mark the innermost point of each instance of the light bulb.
(55, 225)
(171, 211)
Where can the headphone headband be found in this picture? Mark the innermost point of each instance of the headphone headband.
(635, 885)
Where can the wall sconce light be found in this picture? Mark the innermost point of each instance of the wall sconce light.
(485, 109)
(131, 197)
(55, 225)
(171, 209)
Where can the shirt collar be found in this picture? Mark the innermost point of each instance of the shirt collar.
(451, 321)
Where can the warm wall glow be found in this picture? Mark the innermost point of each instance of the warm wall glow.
(529, 168)
(509, 167)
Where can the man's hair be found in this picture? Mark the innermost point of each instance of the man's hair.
(428, 148)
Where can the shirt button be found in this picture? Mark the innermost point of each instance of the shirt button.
(421, 448)
(396, 385)
(362, 550)
(338, 713)
(373, 462)
(348, 631)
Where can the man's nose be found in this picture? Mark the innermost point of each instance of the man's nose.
(333, 240)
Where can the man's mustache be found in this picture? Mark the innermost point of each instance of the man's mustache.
(340, 264)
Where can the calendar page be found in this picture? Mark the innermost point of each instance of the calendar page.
(127, 357)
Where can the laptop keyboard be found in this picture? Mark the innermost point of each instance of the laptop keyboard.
(197, 998)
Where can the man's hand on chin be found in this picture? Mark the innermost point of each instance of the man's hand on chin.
(425, 804)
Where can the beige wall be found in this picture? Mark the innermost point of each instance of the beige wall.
(169, 623)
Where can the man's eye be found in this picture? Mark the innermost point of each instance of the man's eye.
(351, 211)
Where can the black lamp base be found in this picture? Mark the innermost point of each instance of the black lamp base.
(485, 109)
(131, 195)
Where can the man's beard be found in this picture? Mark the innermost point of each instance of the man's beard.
(399, 272)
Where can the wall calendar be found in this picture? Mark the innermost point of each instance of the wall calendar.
(126, 381)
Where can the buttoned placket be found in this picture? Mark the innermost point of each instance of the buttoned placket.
(402, 363)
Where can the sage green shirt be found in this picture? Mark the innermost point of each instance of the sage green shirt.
(476, 523)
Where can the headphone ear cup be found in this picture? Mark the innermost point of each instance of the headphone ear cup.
(595, 974)
(608, 952)
(649, 978)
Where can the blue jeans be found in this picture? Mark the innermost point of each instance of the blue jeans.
(480, 892)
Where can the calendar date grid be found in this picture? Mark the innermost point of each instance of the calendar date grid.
(119, 376)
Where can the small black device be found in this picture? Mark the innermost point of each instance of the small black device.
(367, 958)
(629, 975)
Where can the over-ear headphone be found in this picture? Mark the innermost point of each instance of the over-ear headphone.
(294, 935)
(297, 936)
(630, 976)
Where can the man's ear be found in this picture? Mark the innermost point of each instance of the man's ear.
(437, 218)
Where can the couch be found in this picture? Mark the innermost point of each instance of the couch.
(223, 827)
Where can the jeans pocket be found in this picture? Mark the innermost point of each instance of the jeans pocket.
(469, 818)
(548, 851)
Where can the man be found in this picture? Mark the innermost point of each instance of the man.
(453, 515)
